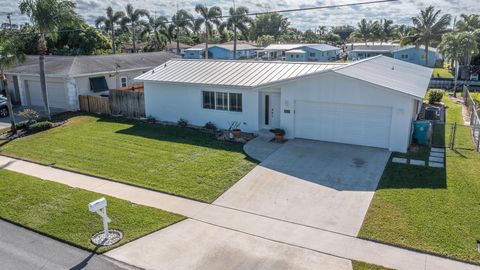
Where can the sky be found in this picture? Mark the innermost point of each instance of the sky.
(400, 11)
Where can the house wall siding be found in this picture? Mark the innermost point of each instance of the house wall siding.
(335, 88)
(170, 102)
(416, 56)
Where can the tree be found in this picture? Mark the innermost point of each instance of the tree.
(133, 18)
(402, 31)
(265, 40)
(182, 21)
(273, 24)
(156, 32)
(387, 30)
(428, 28)
(109, 22)
(363, 31)
(10, 54)
(208, 17)
(238, 21)
(85, 41)
(468, 23)
(343, 31)
(47, 16)
(310, 36)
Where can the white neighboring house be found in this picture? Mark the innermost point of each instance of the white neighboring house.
(370, 102)
(70, 76)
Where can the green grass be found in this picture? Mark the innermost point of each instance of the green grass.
(366, 266)
(431, 209)
(61, 211)
(476, 97)
(175, 160)
(442, 73)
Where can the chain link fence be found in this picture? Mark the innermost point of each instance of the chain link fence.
(474, 120)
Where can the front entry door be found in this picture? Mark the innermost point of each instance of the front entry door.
(271, 110)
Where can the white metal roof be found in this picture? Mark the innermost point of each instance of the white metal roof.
(390, 73)
(387, 72)
(231, 72)
(287, 47)
(296, 51)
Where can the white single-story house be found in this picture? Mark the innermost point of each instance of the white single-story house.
(371, 102)
(70, 76)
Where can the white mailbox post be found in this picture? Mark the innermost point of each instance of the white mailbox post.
(100, 207)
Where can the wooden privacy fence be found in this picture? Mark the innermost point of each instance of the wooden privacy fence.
(94, 104)
(128, 103)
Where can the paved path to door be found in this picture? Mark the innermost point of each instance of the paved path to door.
(275, 230)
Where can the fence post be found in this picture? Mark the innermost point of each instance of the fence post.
(454, 134)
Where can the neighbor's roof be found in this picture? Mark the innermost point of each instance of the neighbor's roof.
(226, 46)
(383, 71)
(374, 48)
(391, 73)
(288, 47)
(296, 51)
(62, 66)
(231, 72)
(431, 49)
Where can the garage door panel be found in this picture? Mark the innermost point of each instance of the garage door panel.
(56, 94)
(343, 123)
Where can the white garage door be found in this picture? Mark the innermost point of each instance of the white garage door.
(343, 123)
(56, 94)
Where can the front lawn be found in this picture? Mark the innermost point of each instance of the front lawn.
(431, 209)
(356, 265)
(175, 160)
(442, 73)
(61, 211)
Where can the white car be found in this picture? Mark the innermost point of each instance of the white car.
(3, 107)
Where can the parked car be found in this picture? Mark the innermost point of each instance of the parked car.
(3, 107)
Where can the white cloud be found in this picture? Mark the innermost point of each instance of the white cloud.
(400, 11)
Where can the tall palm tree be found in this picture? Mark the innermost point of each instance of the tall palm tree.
(47, 16)
(133, 18)
(182, 21)
(209, 17)
(428, 28)
(387, 30)
(10, 54)
(468, 23)
(238, 21)
(109, 22)
(156, 30)
(363, 31)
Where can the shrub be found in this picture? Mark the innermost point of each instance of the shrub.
(29, 114)
(278, 131)
(40, 126)
(182, 122)
(151, 119)
(435, 95)
(22, 124)
(210, 125)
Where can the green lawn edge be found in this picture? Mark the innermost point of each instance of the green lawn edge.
(60, 212)
(357, 265)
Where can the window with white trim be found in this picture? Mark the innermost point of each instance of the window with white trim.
(222, 101)
(123, 81)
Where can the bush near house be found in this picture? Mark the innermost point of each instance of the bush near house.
(435, 96)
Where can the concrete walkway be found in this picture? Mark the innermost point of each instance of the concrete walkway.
(297, 235)
(261, 147)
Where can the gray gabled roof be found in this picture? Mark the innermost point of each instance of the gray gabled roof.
(231, 72)
(63, 66)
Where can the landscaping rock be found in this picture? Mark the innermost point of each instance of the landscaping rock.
(114, 236)
(399, 160)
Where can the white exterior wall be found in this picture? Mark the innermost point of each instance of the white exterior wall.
(334, 88)
(170, 102)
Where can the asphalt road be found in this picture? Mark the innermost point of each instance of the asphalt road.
(24, 249)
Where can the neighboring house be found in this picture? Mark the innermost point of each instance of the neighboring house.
(412, 54)
(70, 76)
(307, 52)
(357, 103)
(221, 51)
(172, 47)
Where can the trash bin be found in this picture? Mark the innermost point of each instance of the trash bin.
(421, 130)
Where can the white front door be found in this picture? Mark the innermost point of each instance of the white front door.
(271, 110)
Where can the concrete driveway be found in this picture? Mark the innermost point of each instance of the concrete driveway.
(319, 184)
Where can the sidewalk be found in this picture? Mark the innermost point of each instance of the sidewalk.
(297, 235)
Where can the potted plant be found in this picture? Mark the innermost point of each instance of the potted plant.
(234, 129)
(279, 134)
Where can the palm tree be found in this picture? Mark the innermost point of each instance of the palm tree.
(208, 17)
(109, 22)
(132, 18)
(468, 23)
(387, 30)
(47, 16)
(428, 27)
(321, 31)
(181, 21)
(363, 31)
(10, 54)
(238, 21)
(156, 30)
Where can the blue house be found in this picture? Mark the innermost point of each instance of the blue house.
(221, 51)
(302, 52)
(362, 51)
